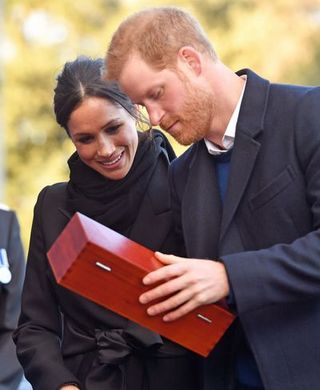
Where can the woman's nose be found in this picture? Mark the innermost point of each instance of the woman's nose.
(106, 146)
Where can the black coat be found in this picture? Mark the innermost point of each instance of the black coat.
(267, 233)
(81, 358)
(10, 300)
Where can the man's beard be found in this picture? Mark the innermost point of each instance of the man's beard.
(195, 118)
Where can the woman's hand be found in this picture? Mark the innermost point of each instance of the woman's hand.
(186, 285)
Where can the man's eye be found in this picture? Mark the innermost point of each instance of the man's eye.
(157, 94)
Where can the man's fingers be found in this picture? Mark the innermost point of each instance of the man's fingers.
(168, 259)
(171, 303)
(163, 273)
(164, 289)
(180, 311)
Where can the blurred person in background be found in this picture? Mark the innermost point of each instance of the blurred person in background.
(246, 195)
(118, 177)
(12, 271)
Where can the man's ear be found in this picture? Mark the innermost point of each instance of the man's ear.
(192, 58)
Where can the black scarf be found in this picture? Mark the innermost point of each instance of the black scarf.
(115, 203)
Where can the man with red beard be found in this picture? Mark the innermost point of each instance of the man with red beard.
(246, 198)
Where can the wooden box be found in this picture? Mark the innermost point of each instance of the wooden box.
(107, 268)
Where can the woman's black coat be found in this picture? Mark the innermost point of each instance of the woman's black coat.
(53, 352)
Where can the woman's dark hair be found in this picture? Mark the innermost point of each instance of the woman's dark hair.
(80, 79)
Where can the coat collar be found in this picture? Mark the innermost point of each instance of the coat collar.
(254, 104)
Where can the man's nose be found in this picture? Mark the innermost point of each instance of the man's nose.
(155, 115)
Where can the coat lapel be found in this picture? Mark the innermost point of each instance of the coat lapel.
(247, 145)
(201, 206)
(243, 161)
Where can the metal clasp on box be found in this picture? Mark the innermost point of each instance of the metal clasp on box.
(206, 319)
(103, 266)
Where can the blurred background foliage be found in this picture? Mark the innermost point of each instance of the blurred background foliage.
(278, 39)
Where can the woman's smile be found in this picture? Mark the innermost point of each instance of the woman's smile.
(111, 162)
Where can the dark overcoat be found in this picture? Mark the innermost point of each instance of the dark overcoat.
(88, 356)
(267, 233)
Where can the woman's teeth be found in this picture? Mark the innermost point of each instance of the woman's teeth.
(113, 161)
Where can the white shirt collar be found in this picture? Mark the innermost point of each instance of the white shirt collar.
(230, 133)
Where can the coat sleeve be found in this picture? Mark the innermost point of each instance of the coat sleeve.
(287, 273)
(10, 301)
(39, 333)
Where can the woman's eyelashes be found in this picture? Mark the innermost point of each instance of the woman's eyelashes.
(113, 129)
(84, 139)
(88, 138)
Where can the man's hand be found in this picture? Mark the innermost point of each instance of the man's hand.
(187, 284)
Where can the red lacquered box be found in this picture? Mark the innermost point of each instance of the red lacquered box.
(107, 268)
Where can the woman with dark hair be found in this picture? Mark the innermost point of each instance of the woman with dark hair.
(118, 176)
